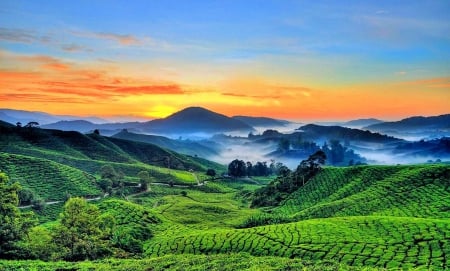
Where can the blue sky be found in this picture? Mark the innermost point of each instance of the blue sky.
(321, 44)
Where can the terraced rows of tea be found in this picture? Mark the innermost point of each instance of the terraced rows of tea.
(49, 180)
(411, 191)
(358, 241)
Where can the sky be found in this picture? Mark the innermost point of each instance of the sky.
(298, 60)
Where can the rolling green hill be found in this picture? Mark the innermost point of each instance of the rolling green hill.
(343, 218)
(378, 216)
(405, 191)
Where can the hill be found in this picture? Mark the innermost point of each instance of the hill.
(194, 120)
(182, 146)
(49, 144)
(261, 121)
(358, 123)
(84, 126)
(376, 216)
(13, 116)
(414, 125)
(315, 132)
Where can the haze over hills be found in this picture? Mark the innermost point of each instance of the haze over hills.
(23, 116)
(415, 127)
(359, 123)
(261, 121)
(85, 126)
(318, 132)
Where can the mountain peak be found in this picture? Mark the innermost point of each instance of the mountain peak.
(196, 120)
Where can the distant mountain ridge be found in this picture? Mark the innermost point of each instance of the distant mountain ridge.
(85, 126)
(361, 122)
(261, 121)
(314, 131)
(13, 116)
(414, 123)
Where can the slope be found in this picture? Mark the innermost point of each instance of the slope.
(182, 146)
(406, 191)
(47, 179)
(193, 120)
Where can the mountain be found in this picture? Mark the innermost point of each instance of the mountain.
(358, 123)
(261, 121)
(194, 120)
(13, 116)
(317, 132)
(84, 126)
(414, 124)
(182, 146)
(71, 125)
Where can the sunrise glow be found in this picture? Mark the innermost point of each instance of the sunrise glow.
(293, 60)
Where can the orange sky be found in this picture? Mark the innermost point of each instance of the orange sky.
(49, 84)
(282, 60)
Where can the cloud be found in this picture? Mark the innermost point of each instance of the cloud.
(438, 82)
(151, 89)
(46, 62)
(34, 97)
(401, 73)
(122, 39)
(22, 36)
(251, 96)
(75, 48)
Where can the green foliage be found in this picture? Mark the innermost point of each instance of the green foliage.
(26, 196)
(79, 235)
(287, 182)
(46, 179)
(144, 180)
(14, 226)
(406, 191)
(132, 224)
(211, 172)
(40, 243)
(222, 262)
(355, 241)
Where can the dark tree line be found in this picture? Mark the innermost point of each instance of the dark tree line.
(239, 168)
(288, 181)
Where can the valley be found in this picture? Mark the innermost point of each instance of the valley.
(350, 217)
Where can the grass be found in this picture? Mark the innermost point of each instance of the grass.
(47, 179)
(352, 218)
(222, 262)
(382, 242)
(411, 191)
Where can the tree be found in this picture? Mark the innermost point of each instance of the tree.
(32, 124)
(211, 172)
(40, 243)
(26, 196)
(144, 180)
(107, 172)
(313, 164)
(97, 132)
(79, 235)
(38, 204)
(14, 225)
(19, 124)
(284, 145)
(237, 168)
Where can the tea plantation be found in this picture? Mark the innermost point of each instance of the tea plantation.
(348, 218)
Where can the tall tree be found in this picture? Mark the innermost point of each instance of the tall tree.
(79, 234)
(237, 168)
(144, 180)
(14, 225)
